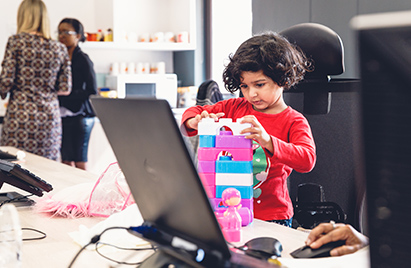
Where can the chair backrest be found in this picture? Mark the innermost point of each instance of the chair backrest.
(332, 123)
(325, 48)
(321, 44)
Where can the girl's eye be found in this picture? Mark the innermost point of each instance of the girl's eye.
(243, 86)
(260, 84)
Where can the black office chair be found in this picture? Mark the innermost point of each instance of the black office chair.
(311, 207)
(325, 48)
(208, 93)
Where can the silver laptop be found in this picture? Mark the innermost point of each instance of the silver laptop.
(164, 182)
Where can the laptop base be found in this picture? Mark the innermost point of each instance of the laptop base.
(162, 259)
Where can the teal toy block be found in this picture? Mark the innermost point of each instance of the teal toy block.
(228, 166)
(245, 191)
(206, 141)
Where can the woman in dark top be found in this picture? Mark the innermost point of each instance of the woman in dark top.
(76, 110)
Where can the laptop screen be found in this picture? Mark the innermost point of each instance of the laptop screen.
(384, 42)
(159, 169)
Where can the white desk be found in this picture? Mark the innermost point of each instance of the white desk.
(58, 249)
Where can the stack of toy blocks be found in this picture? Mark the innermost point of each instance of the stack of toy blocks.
(225, 159)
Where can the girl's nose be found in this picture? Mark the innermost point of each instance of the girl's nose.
(253, 92)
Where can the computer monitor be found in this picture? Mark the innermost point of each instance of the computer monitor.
(384, 42)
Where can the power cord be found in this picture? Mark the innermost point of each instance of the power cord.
(43, 234)
(121, 248)
(95, 240)
(15, 199)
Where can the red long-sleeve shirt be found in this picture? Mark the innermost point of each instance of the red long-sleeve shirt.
(293, 145)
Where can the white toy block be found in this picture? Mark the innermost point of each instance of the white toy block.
(208, 126)
(245, 179)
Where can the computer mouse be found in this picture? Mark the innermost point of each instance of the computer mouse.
(323, 251)
(263, 246)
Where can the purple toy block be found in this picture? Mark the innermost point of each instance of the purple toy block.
(238, 154)
(208, 179)
(206, 166)
(230, 141)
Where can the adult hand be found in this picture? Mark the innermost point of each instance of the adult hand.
(192, 123)
(330, 232)
(257, 132)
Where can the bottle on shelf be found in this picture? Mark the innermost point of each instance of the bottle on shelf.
(108, 37)
(100, 35)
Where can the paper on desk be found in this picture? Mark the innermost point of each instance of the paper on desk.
(359, 259)
(128, 217)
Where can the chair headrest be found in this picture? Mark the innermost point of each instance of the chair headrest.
(322, 45)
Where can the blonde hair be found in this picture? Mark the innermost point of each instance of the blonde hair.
(32, 16)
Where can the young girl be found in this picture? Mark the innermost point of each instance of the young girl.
(262, 68)
(76, 110)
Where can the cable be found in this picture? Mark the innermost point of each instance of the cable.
(121, 248)
(44, 235)
(78, 253)
(95, 239)
(15, 199)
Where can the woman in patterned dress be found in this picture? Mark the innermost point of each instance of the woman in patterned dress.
(34, 71)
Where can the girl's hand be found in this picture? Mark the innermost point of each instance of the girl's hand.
(192, 123)
(257, 132)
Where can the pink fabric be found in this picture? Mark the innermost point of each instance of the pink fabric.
(108, 195)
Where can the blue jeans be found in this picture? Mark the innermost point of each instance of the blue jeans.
(76, 136)
(287, 223)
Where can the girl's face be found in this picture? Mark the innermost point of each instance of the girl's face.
(262, 92)
(67, 35)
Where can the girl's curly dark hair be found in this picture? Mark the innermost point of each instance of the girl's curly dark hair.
(272, 53)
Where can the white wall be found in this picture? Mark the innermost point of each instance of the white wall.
(231, 26)
(94, 15)
(57, 9)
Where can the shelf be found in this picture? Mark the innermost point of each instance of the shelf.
(139, 46)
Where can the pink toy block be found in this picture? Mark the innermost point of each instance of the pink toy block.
(207, 179)
(206, 166)
(238, 154)
(210, 191)
(238, 179)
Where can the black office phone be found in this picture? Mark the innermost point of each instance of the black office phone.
(14, 174)
(7, 156)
